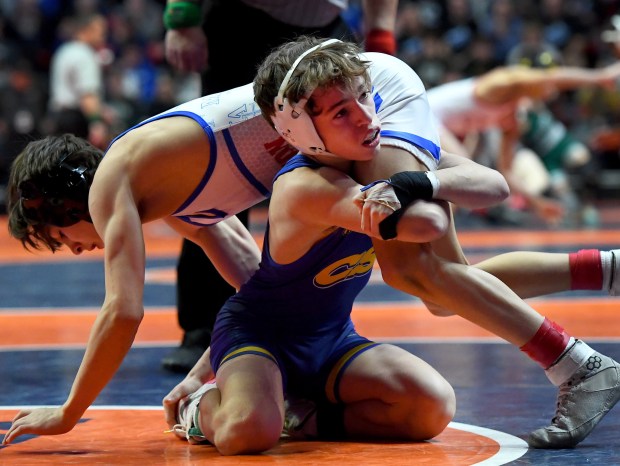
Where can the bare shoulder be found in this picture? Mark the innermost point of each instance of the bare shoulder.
(159, 164)
(174, 135)
(307, 183)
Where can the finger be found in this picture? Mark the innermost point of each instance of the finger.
(366, 214)
(377, 218)
(359, 203)
(170, 414)
(14, 432)
(21, 414)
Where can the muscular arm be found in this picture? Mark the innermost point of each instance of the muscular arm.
(510, 83)
(327, 197)
(469, 184)
(112, 335)
(115, 327)
(229, 246)
(461, 180)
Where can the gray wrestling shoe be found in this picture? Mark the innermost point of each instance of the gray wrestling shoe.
(614, 286)
(299, 419)
(187, 416)
(582, 402)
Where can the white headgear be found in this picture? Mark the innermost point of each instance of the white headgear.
(290, 118)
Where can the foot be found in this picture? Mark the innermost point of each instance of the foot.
(187, 426)
(299, 419)
(583, 401)
(183, 358)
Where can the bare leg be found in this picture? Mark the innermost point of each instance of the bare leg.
(467, 291)
(390, 393)
(530, 274)
(248, 416)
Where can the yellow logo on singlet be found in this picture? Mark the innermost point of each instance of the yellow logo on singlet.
(346, 269)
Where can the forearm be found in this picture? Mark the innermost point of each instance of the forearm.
(567, 78)
(202, 370)
(232, 249)
(379, 14)
(379, 26)
(110, 340)
(469, 184)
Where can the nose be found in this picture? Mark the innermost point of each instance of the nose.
(363, 114)
(76, 248)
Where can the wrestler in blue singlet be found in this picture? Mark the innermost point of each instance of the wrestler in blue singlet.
(299, 314)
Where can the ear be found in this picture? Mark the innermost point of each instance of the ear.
(296, 126)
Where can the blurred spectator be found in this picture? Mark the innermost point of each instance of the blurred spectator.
(22, 108)
(76, 81)
(502, 25)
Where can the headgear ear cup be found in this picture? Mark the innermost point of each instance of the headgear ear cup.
(59, 198)
(291, 119)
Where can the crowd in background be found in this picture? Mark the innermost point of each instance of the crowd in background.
(442, 40)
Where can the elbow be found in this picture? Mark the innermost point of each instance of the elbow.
(501, 188)
(121, 312)
(491, 191)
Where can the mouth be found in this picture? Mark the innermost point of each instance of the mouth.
(372, 139)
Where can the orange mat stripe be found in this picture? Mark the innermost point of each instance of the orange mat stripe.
(583, 318)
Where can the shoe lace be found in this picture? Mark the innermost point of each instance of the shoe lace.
(562, 403)
(178, 429)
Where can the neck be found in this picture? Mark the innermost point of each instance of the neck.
(333, 161)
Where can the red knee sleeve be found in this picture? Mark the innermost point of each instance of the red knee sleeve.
(586, 270)
(547, 344)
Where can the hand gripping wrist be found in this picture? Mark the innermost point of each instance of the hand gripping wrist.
(181, 15)
(408, 187)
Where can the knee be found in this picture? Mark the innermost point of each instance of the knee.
(432, 410)
(248, 431)
(410, 272)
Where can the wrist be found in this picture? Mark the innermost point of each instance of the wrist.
(380, 40)
(181, 15)
(434, 182)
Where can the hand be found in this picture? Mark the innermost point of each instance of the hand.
(375, 204)
(186, 49)
(40, 421)
(188, 385)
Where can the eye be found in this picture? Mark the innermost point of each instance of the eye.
(364, 96)
(341, 113)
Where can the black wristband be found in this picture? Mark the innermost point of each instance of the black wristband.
(387, 226)
(411, 186)
(408, 187)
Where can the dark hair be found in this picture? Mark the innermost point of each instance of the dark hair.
(33, 168)
(335, 64)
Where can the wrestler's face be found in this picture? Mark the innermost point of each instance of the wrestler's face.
(346, 121)
(79, 237)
